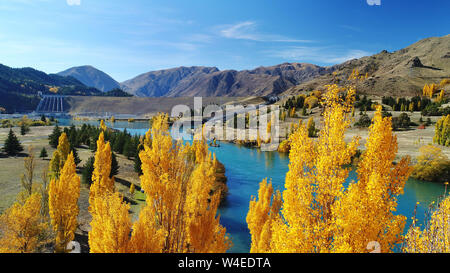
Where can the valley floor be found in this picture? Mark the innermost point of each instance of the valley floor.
(11, 168)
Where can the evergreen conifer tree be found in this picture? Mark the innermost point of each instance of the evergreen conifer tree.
(12, 145)
(44, 153)
(54, 137)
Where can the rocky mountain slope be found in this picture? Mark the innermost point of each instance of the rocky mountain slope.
(211, 82)
(400, 73)
(90, 76)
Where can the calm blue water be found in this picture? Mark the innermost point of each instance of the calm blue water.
(246, 168)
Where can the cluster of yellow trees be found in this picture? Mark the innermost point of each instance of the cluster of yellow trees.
(442, 133)
(316, 212)
(357, 76)
(429, 90)
(180, 215)
(44, 213)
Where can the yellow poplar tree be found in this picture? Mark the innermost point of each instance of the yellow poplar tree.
(261, 216)
(59, 156)
(177, 180)
(63, 204)
(435, 237)
(101, 182)
(442, 132)
(111, 224)
(180, 214)
(103, 125)
(21, 226)
(365, 211)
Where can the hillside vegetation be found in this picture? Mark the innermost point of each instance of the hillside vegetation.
(19, 87)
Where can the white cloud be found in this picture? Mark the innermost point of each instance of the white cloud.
(247, 31)
(73, 2)
(324, 55)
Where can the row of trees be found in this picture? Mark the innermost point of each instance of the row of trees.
(402, 104)
(85, 136)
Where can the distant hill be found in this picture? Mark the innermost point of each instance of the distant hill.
(92, 77)
(211, 82)
(19, 87)
(400, 73)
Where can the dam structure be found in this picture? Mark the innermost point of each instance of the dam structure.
(51, 104)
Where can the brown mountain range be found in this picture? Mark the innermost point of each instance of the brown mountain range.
(210, 82)
(400, 73)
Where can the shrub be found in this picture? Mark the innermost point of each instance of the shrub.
(285, 146)
(401, 122)
(432, 165)
(364, 121)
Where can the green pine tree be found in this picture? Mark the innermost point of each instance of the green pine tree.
(24, 129)
(12, 145)
(44, 153)
(114, 166)
(54, 137)
(88, 169)
(75, 155)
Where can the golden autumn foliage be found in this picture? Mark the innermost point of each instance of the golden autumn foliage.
(177, 180)
(21, 226)
(103, 125)
(432, 164)
(284, 146)
(292, 112)
(365, 211)
(435, 237)
(180, 214)
(59, 156)
(357, 76)
(429, 90)
(101, 182)
(63, 204)
(318, 213)
(261, 215)
(110, 225)
(311, 102)
(441, 96)
(444, 83)
(442, 132)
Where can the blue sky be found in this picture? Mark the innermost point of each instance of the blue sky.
(127, 38)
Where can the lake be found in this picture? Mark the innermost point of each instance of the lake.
(247, 167)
